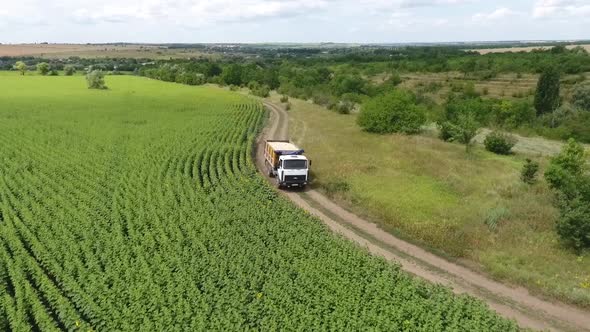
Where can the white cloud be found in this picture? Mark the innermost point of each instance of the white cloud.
(184, 12)
(496, 15)
(561, 8)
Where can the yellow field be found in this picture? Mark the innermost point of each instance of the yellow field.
(96, 51)
(521, 49)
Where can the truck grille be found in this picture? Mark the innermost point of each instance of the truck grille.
(294, 178)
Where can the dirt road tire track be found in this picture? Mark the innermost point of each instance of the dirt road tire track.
(514, 303)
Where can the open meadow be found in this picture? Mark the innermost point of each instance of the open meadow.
(472, 207)
(139, 208)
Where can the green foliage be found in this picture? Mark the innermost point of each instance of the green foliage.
(69, 70)
(232, 75)
(284, 98)
(568, 174)
(463, 130)
(259, 90)
(21, 67)
(499, 142)
(574, 224)
(566, 169)
(43, 68)
(141, 210)
(395, 112)
(95, 80)
(529, 171)
(581, 96)
(495, 216)
(547, 94)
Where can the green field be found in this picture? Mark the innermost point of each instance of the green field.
(472, 207)
(139, 208)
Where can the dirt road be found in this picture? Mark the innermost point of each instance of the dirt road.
(514, 303)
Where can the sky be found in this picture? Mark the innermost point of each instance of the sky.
(249, 21)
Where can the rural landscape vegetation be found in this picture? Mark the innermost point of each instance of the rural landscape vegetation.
(450, 187)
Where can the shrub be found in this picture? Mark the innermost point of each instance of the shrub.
(573, 226)
(284, 98)
(262, 91)
(581, 96)
(233, 88)
(499, 143)
(566, 170)
(343, 107)
(69, 70)
(288, 106)
(43, 68)
(396, 111)
(495, 216)
(53, 72)
(529, 171)
(95, 80)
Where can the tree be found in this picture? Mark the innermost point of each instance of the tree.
(581, 96)
(394, 112)
(465, 129)
(566, 170)
(212, 70)
(547, 94)
(232, 75)
(20, 66)
(43, 68)
(568, 174)
(95, 80)
(69, 70)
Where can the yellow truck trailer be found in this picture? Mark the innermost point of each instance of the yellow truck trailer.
(286, 162)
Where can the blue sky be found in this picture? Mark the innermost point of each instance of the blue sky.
(81, 21)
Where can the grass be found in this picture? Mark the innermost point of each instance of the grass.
(472, 207)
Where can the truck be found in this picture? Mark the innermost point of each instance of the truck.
(286, 162)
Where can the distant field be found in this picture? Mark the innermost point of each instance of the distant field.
(96, 51)
(470, 206)
(521, 49)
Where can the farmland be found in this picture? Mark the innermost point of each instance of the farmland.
(139, 208)
(134, 51)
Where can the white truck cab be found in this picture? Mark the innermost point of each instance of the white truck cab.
(286, 162)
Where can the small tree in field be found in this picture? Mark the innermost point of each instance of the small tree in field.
(43, 68)
(69, 70)
(21, 67)
(95, 80)
(547, 95)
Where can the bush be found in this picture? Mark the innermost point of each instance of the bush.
(343, 107)
(53, 72)
(43, 68)
(581, 96)
(573, 226)
(529, 171)
(284, 98)
(95, 80)
(566, 170)
(288, 106)
(499, 143)
(69, 70)
(394, 112)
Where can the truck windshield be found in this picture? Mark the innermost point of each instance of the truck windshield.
(295, 164)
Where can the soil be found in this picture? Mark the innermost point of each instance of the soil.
(528, 310)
